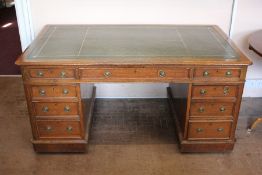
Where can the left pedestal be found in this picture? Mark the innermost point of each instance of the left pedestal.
(60, 118)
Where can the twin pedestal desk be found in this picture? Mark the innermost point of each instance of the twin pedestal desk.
(205, 72)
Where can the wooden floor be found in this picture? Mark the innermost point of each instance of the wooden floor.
(129, 136)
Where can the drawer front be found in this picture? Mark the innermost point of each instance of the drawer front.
(52, 73)
(211, 109)
(214, 91)
(58, 129)
(54, 91)
(49, 109)
(209, 130)
(134, 73)
(207, 73)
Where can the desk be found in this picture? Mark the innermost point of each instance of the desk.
(206, 73)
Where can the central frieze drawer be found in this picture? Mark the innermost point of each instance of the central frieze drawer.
(209, 130)
(133, 73)
(211, 109)
(54, 91)
(58, 129)
(55, 108)
(214, 91)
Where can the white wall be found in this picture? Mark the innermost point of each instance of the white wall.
(131, 12)
(147, 12)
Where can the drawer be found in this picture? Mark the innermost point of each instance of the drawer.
(58, 129)
(211, 109)
(209, 130)
(54, 91)
(134, 73)
(55, 108)
(207, 73)
(52, 73)
(214, 91)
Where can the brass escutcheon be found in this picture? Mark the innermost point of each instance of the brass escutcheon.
(220, 129)
(199, 130)
(203, 91)
(40, 74)
(65, 91)
(69, 129)
(107, 74)
(162, 73)
(67, 108)
(45, 109)
(201, 109)
(205, 73)
(222, 109)
(228, 73)
(42, 92)
(62, 74)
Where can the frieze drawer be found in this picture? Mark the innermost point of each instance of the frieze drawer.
(54, 73)
(215, 73)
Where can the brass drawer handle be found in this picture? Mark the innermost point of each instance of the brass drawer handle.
(220, 129)
(49, 128)
(205, 73)
(222, 109)
(228, 73)
(69, 129)
(226, 90)
(107, 74)
(67, 108)
(42, 92)
(40, 73)
(63, 74)
(162, 73)
(203, 91)
(45, 109)
(199, 130)
(201, 109)
(65, 91)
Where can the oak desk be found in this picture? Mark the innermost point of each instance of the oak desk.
(205, 70)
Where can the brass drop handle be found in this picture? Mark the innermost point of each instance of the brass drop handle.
(45, 109)
(203, 91)
(228, 73)
(63, 74)
(162, 73)
(67, 108)
(199, 130)
(205, 73)
(226, 90)
(49, 128)
(220, 129)
(107, 74)
(222, 109)
(201, 109)
(65, 91)
(42, 92)
(69, 129)
(40, 74)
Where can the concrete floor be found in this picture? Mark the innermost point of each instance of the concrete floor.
(132, 137)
